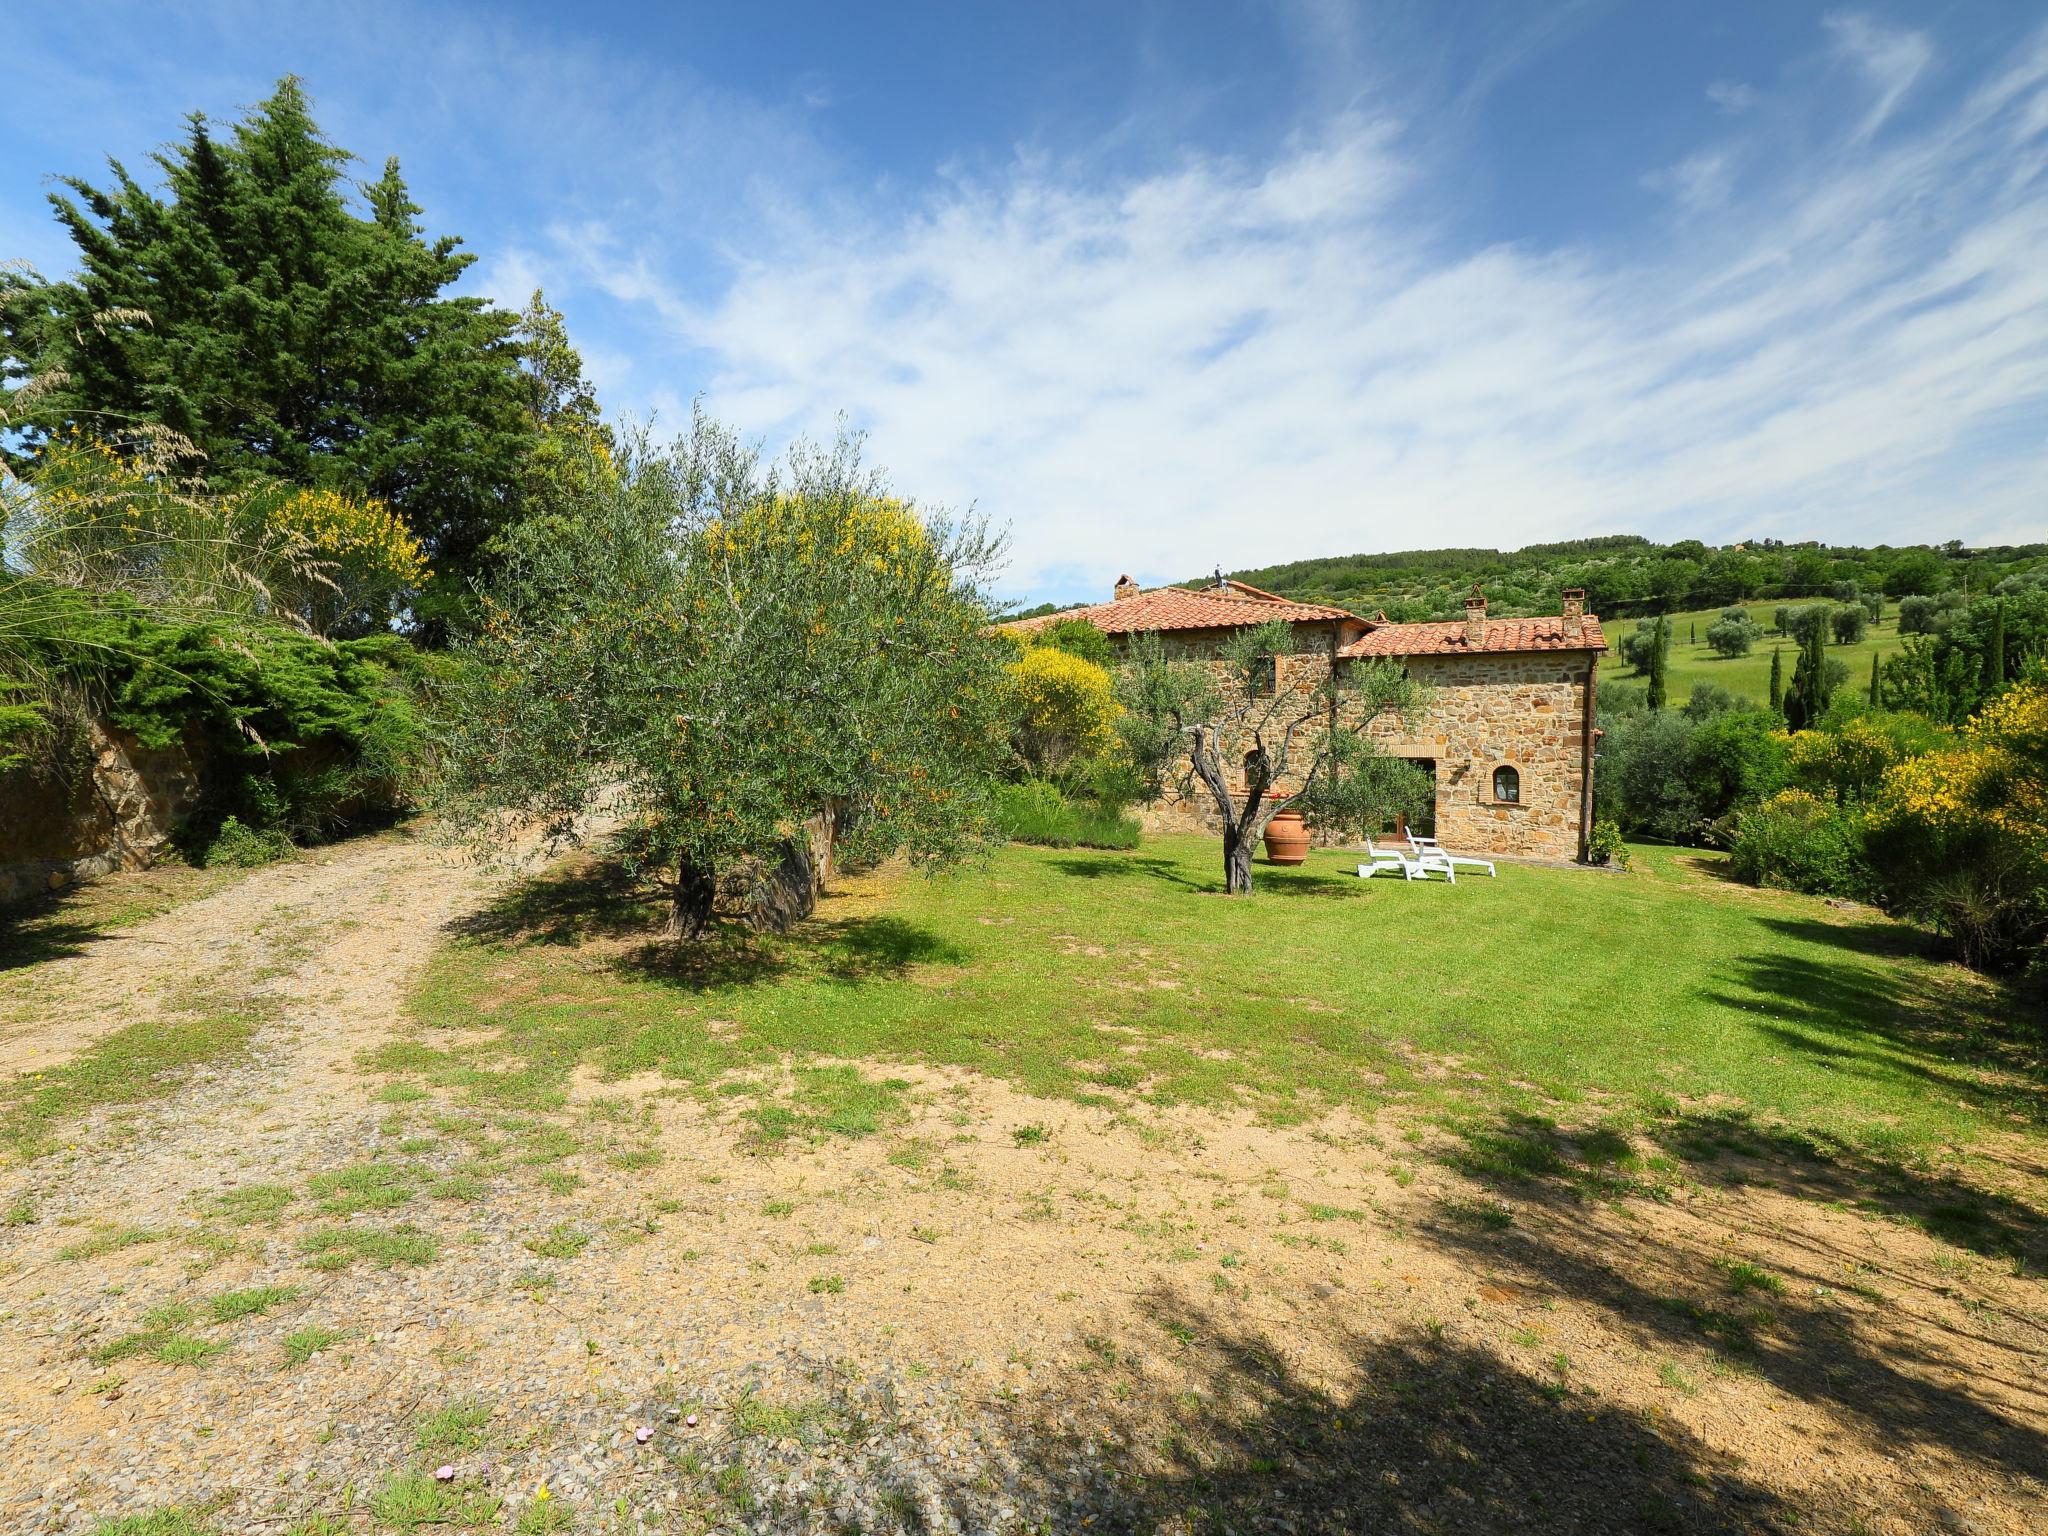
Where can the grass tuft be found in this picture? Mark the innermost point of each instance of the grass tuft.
(254, 1302)
(385, 1247)
(303, 1345)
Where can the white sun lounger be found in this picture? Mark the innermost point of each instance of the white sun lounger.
(1418, 867)
(1427, 846)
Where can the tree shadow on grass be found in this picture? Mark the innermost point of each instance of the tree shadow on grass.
(600, 903)
(1267, 879)
(1111, 866)
(1891, 1025)
(1865, 936)
(1875, 1366)
(1224, 1432)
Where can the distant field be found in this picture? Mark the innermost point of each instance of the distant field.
(1694, 663)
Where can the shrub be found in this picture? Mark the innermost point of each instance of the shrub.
(1063, 710)
(1801, 842)
(1638, 645)
(1605, 846)
(1849, 622)
(1036, 812)
(1961, 835)
(1711, 699)
(1849, 752)
(1737, 758)
(1077, 637)
(236, 846)
(1646, 780)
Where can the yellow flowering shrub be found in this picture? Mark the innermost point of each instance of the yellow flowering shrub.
(105, 517)
(356, 553)
(1997, 775)
(1961, 835)
(1064, 708)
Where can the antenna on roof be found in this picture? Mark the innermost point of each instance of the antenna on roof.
(1219, 577)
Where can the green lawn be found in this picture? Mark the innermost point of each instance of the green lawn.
(1578, 995)
(1691, 664)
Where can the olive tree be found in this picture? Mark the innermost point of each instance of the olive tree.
(1183, 719)
(720, 650)
(1732, 633)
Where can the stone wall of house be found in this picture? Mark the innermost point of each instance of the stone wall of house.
(1523, 710)
(111, 805)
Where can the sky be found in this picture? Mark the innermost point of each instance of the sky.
(1166, 286)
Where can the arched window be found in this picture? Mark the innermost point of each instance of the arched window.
(1507, 785)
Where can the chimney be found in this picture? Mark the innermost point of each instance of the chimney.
(1575, 614)
(1475, 618)
(1125, 588)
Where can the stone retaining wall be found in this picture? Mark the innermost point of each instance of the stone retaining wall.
(113, 807)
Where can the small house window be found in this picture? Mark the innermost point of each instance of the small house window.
(1265, 676)
(1507, 785)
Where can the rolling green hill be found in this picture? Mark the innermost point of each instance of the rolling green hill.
(1693, 662)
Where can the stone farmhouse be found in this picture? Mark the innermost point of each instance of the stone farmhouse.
(1508, 737)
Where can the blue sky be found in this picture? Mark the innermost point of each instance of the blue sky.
(1166, 286)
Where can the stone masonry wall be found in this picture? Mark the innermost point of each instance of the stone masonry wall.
(1523, 710)
(115, 810)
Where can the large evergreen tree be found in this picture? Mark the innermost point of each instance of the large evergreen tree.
(285, 332)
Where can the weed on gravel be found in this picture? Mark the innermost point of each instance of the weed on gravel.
(414, 1500)
(372, 1186)
(385, 1247)
(561, 1241)
(303, 1345)
(163, 1337)
(248, 1204)
(457, 1427)
(253, 1302)
(108, 1239)
(174, 1521)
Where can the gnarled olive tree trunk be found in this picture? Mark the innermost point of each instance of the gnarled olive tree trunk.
(690, 902)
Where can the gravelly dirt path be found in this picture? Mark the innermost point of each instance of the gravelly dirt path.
(332, 938)
(606, 1312)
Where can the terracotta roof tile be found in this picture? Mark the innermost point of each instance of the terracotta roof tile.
(1232, 606)
(1543, 634)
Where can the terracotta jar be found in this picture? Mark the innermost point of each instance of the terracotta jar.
(1287, 838)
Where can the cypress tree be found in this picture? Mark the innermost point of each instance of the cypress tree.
(1777, 679)
(1873, 680)
(1808, 700)
(1994, 650)
(1660, 642)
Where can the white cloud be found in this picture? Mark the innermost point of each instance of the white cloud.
(1732, 96)
(1891, 60)
(1699, 183)
(1235, 363)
